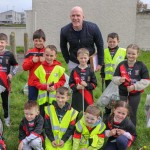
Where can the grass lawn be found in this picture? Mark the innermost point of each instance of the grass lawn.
(17, 100)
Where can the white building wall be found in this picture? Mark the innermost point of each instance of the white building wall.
(142, 36)
(16, 17)
(19, 32)
(111, 16)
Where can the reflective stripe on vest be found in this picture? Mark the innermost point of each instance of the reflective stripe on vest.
(81, 127)
(59, 128)
(111, 64)
(55, 75)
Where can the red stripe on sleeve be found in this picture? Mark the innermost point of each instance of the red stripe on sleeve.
(101, 135)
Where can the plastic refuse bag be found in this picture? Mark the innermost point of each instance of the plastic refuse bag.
(2, 89)
(25, 89)
(109, 96)
(147, 110)
(67, 81)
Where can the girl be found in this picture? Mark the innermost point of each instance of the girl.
(132, 77)
(119, 128)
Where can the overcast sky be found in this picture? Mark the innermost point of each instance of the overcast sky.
(17, 5)
(146, 1)
(21, 5)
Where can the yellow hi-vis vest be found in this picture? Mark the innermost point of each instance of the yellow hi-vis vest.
(55, 75)
(111, 64)
(59, 128)
(86, 135)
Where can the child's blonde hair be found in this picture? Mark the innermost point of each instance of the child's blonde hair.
(93, 109)
(52, 47)
(82, 51)
(135, 47)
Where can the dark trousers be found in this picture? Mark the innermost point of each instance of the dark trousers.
(33, 93)
(5, 103)
(133, 101)
(121, 143)
(42, 111)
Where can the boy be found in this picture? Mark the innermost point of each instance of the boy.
(82, 79)
(48, 77)
(30, 128)
(89, 133)
(113, 55)
(8, 68)
(33, 59)
(60, 121)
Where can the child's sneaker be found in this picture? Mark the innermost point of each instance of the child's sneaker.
(7, 121)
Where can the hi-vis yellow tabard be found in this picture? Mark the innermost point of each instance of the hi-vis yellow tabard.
(55, 75)
(111, 64)
(86, 135)
(59, 128)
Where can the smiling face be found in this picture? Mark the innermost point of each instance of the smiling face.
(3, 44)
(112, 42)
(90, 119)
(120, 113)
(132, 55)
(61, 99)
(77, 17)
(31, 113)
(83, 59)
(39, 43)
(50, 55)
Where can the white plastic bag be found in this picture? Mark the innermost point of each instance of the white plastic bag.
(67, 81)
(2, 89)
(110, 93)
(25, 89)
(147, 110)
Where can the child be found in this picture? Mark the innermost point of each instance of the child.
(113, 55)
(31, 127)
(132, 77)
(33, 59)
(120, 130)
(82, 78)
(8, 68)
(48, 77)
(89, 133)
(60, 122)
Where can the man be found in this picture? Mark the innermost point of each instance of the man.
(80, 34)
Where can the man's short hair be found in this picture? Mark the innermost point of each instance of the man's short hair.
(83, 51)
(31, 104)
(93, 109)
(3, 37)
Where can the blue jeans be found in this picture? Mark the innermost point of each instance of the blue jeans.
(120, 144)
(33, 93)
